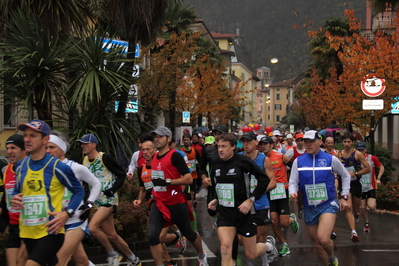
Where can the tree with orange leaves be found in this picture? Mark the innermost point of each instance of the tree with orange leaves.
(205, 92)
(339, 97)
(176, 71)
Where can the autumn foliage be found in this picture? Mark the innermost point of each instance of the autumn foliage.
(177, 78)
(339, 97)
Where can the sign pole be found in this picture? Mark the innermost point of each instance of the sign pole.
(372, 133)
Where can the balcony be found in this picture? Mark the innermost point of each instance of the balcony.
(368, 34)
(384, 21)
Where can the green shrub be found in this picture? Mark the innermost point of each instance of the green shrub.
(388, 196)
(384, 155)
(131, 222)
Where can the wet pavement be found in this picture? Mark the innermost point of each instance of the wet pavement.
(378, 247)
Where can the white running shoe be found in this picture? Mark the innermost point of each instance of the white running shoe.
(114, 260)
(204, 261)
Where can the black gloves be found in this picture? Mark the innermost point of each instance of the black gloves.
(158, 182)
(108, 192)
(86, 210)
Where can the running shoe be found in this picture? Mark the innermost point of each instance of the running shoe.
(284, 251)
(295, 224)
(356, 217)
(136, 262)
(334, 262)
(355, 238)
(300, 213)
(273, 254)
(204, 261)
(333, 235)
(180, 243)
(366, 228)
(114, 260)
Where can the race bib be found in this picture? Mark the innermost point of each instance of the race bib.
(253, 184)
(193, 164)
(225, 194)
(34, 211)
(155, 175)
(9, 196)
(366, 182)
(352, 169)
(66, 198)
(278, 192)
(316, 193)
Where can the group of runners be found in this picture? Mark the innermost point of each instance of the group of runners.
(44, 202)
(248, 188)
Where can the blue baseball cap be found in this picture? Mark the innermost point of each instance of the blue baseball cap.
(37, 125)
(87, 138)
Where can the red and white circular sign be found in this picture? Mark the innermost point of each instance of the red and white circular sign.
(373, 86)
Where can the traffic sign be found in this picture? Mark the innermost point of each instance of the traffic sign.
(186, 117)
(377, 104)
(395, 106)
(133, 90)
(136, 71)
(372, 86)
(137, 51)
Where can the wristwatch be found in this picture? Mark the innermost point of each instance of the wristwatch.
(168, 181)
(70, 212)
(252, 199)
(345, 197)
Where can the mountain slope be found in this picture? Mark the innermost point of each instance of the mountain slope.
(267, 27)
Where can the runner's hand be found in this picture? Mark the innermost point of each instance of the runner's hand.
(137, 203)
(343, 205)
(86, 210)
(158, 182)
(16, 202)
(57, 224)
(213, 204)
(129, 176)
(245, 207)
(108, 192)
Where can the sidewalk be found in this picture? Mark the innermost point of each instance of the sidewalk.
(395, 175)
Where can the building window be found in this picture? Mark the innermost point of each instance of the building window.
(278, 96)
(268, 117)
(233, 72)
(288, 96)
(277, 107)
(9, 114)
(278, 89)
(277, 118)
(268, 108)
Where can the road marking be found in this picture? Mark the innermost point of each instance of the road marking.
(380, 250)
(209, 254)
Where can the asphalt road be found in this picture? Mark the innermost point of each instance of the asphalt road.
(378, 247)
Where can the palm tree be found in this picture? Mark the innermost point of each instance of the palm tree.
(324, 56)
(34, 64)
(132, 21)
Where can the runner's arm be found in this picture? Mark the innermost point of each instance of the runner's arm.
(116, 169)
(67, 177)
(345, 176)
(294, 180)
(290, 153)
(366, 166)
(269, 172)
(133, 162)
(185, 178)
(83, 173)
(260, 175)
